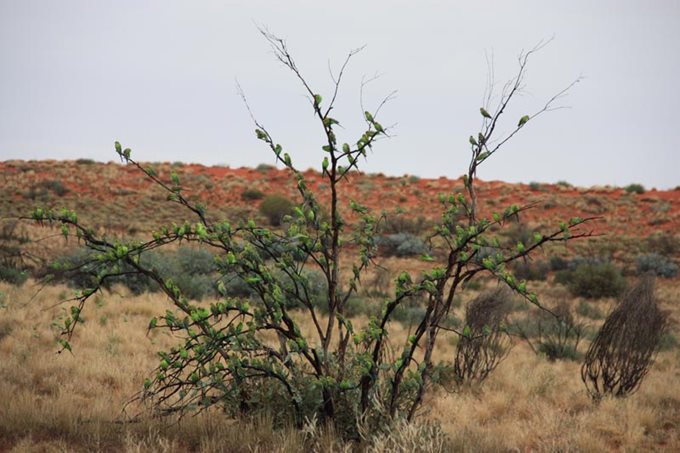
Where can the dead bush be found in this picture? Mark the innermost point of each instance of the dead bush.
(484, 342)
(623, 350)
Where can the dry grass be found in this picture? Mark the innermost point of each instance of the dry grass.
(51, 402)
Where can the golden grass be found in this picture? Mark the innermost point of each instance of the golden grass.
(73, 402)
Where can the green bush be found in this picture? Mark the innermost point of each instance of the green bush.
(665, 244)
(55, 186)
(255, 357)
(557, 263)
(265, 168)
(12, 275)
(402, 245)
(635, 188)
(252, 194)
(659, 265)
(588, 310)
(192, 270)
(593, 280)
(531, 270)
(275, 208)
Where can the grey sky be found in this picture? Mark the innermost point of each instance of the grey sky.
(160, 77)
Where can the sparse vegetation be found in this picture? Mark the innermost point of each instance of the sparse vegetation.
(484, 342)
(252, 194)
(635, 189)
(297, 338)
(658, 265)
(275, 208)
(624, 348)
(592, 279)
(402, 245)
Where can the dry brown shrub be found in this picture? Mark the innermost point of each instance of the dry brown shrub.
(485, 342)
(623, 351)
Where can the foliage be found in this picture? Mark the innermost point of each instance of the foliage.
(402, 245)
(664, 244)
(593, 280)
(192, 270)
(484, 342)
(12, 275)
(251, 356)
(252, 194)
(265, 168)
(12, 259)
(400, 223)
(556, 333)
(531, 270)
(275, 208)
(588, 310)
(622, 353)
(635, 188)
(558, 263)
(659, 265)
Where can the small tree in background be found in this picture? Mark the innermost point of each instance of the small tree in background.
(624, 348)
(249, 356)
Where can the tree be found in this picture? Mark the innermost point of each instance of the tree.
(253, 355)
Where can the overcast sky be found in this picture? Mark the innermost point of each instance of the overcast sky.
(160, 77)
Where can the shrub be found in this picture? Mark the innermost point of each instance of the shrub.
(563, 183)
(265, 168)
(588, 310)
(400, 223)
(251, 357)
(402, 245)
(664, 244)
(557, 263)
(275, 208)
(252, 194)
(624, 348)
(531, 270)
(554, 333)
(635, 188)
(593, 281)
(484, 342)
(192, 270)
(55, 186)
(659, 265)
(12, 275)
(85, 161)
